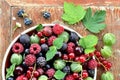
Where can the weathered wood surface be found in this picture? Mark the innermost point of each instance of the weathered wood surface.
(34, 8)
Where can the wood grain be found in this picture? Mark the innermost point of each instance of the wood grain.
(5, 30)
(34, 9)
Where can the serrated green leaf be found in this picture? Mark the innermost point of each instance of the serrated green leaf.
(89, 41)
(59, 74)
(82, 43)
(39, 27)
(51, 53)
(73, 13)
(94, 23)
(89, 50)
(58, 42)
(10, 71)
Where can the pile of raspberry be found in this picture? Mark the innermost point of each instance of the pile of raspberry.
(34, 46)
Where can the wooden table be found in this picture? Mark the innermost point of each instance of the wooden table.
(34, 8)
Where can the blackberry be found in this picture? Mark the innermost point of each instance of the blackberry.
(64, 47)
(47, 66)
(25, 40)
(73, 37)
(58, 54)
(27, 21)
(66, 69)
(20, 13)
(41, 61)
(44, 47)
(10, 78)
(46, 15)
(91, 72)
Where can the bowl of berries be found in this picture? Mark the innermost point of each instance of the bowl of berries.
(48, 52)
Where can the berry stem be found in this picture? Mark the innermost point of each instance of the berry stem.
(24, 15)
(101, 63)
(33, 71)
(71, 61)
(81, 74)
(15, 28)
(113, 57)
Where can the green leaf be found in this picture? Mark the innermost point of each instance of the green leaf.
(89, 41)
(39, 27)
(58, 42)
(89, 50)
(10, 71)
(94, 23)
(59, 74)
(73, 13)
(51, 53)
(82, 43)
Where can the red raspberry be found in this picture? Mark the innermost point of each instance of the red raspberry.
(50, 72)
(92, 64)
(47, 31)
(40, 70)
(17, 48)
(69, 77)
(57, 29)
(30, 59)
(35, 48)
(20, 77)
(50, 40)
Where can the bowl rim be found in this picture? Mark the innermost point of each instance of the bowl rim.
(26, 31)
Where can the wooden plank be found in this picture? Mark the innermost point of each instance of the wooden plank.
(5, 30)
(60, 2)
